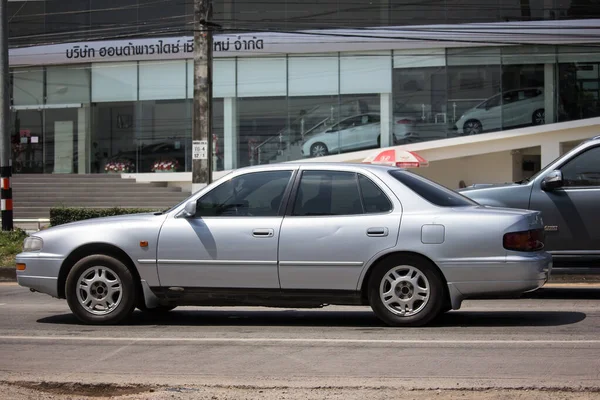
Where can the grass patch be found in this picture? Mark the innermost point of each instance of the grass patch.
(11, 244)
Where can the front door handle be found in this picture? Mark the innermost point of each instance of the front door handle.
(377, 232)
(263, 233)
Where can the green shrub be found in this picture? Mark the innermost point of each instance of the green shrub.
(11, 244)
(64, 215)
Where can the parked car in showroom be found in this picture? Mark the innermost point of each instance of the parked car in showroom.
(567, 193)
(358, 132)
(513, 108)
(294, 235)
(146, 156)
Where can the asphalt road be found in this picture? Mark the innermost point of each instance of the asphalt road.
(549, 340)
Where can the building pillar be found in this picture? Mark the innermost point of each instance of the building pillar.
(83, 141)
(387, 116)
(230, 133)
(550, 93)
(550, 150)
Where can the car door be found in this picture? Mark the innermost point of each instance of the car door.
(232, 240)
(571, 213)
(491, 115)
(351, 136)
(337, 222)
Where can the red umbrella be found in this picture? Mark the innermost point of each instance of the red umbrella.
(397, 158)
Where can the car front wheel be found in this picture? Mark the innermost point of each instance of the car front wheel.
(472, 127)
(406, 292)
(318, 150)
(100, 290)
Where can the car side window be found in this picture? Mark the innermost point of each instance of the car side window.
(373, 199)
(257, 194)
(583, 170)
(493, 102)
(374, 119)
(327, 193)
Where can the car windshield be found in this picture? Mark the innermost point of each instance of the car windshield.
(432, 192)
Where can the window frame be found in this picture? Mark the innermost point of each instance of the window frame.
(560, 168)
(291, 200)
(435, 185)
(282, 205)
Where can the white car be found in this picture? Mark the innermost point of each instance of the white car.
(512, 108)
(358, 132)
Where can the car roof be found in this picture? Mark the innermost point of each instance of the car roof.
(373, 167)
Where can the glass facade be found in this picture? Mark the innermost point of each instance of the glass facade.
(36, 22)
(132, 116)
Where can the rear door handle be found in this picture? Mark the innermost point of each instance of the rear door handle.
(263, 233)
(377, 232)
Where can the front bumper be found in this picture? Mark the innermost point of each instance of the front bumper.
(41, 272)
(517, 275)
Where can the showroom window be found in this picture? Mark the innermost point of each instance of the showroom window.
(420, 101)
(474, 77)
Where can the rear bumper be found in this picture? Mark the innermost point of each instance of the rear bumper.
(517, 275)
(41, 272)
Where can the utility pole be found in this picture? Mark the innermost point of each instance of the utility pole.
(202, 154)
(5, 150)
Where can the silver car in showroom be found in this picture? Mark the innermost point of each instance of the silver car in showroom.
(300, 235)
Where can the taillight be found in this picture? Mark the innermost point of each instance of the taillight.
(532, 240)
(404, 121)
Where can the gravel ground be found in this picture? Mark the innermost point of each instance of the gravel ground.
(45, 391)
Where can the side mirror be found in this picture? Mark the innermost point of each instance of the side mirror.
(552, 181)
(189, 210)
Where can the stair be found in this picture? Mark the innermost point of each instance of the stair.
(35, 194)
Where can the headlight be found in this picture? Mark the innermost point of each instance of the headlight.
(32, 244)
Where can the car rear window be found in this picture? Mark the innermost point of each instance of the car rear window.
(431, 191)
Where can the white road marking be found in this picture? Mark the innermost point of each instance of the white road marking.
(290, 340)
(2, 304)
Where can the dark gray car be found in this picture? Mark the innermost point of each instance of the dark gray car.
(567, 192)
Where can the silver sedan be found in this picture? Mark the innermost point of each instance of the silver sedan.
(294, 235)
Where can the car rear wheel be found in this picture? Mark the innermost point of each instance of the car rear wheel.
(318, 150)
(538, 117)
(406, 291)
(100, 290)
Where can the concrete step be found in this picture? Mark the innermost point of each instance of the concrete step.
(77, 190)
(96, 203)
(100, 195)
(34, 195)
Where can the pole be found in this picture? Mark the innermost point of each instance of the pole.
(5, 150)
(202, 154)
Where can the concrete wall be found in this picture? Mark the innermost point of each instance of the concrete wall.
(489, 168)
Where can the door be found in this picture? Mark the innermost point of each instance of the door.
(350, 132)
(571, 213)
(232, 240)
(491, 114)
(338, 221)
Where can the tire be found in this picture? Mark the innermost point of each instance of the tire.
(318, 149)
(99, 273)
(472, 127)
(423, 310)
(538, 117)
(378, 141)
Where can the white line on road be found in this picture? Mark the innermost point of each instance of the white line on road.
(288, 340)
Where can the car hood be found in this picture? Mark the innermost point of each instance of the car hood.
(484, 186)
(96, 222)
